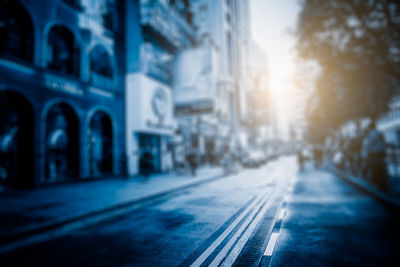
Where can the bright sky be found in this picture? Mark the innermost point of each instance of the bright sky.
(272, 23)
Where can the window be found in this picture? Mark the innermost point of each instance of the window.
(100, 62)
(63, 51)
(16, 31)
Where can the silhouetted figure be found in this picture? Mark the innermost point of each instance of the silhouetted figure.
(191, 159)
(228, 160)
(317, 156)
(300, 159)
(374, 152)
(146, 163)
(355, 151)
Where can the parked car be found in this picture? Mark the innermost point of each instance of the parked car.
(254, 159)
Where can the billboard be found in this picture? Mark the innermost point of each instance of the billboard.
(195, 81)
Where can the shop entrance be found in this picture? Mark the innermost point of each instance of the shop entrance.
(150, 153)
(16, 140)
(100, 144)
(62, 143)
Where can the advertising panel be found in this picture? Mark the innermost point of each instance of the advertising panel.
(195, 81)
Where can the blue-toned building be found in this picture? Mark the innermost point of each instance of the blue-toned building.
(62, 114)
(155, 31)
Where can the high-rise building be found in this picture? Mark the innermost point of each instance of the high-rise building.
(155, 32)
(217, 25)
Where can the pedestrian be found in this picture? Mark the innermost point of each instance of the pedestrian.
(355, 148)
(374, 147)
(146, 163)
(191, 159)
(300, 159)
(317, 155)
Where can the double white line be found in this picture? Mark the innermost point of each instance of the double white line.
(235, 244)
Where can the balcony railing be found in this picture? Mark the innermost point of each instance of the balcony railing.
(166, 22)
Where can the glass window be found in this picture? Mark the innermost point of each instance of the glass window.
(63, 52)
(100, 62)
(16, 31)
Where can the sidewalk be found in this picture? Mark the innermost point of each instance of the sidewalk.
(391, 198)
(28, 211)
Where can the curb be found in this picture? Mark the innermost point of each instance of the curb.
(45, 227)
(365, 187)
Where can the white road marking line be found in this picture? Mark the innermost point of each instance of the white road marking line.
(234, 253)
(271, 244)
(236, 249)
(282, 214)
(227, 231)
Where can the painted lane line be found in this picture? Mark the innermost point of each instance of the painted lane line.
(271, 244)
(237, 248)
(222, 255)
(228, 230)
(282, 214)
(233, 254)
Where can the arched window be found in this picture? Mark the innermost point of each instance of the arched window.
(16, 139)
(62, 143)
(100, 62)
(16, 31)
(63, 51)
(100, 144)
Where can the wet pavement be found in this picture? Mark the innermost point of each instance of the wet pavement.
(26, 211)
(330, 223)
(177, 229)
(315, 218)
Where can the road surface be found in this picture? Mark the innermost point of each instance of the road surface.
(274, 214)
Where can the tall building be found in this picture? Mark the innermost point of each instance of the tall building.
(155, 32)
(61, 91)
(90, 88)
(246, 67)
(217, 26)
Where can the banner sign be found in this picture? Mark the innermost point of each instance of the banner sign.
(195, 81)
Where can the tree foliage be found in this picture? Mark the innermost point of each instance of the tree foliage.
(357, 45)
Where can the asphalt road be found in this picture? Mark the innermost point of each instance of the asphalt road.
(330, 223)
(316, 219)
(200, 225)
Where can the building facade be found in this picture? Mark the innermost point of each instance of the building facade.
(218, 26)
(93, 88)
(155, 31)
(61, 91)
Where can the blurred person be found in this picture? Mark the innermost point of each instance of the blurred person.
(374, 154)
(228, 160)
(300, 159)
(355, 148)
(317, 156)
(146, 163)
(192, 161)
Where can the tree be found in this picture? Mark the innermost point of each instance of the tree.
(357, 45)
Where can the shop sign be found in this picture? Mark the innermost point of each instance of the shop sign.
(160, 104)
(152, 124)
(58, 85)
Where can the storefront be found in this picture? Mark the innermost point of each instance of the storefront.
(150, 125)
(149, 153)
